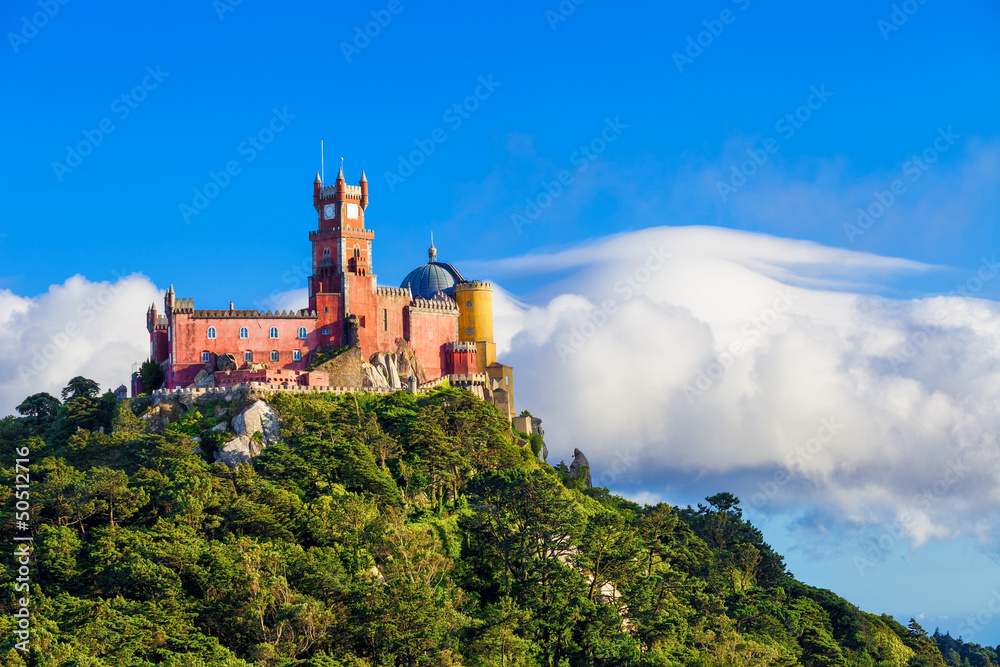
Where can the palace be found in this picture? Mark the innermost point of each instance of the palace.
(354, 334)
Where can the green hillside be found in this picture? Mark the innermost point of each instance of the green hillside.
(385, 530)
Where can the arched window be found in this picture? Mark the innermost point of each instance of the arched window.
(206, 357)
(296, 355)
(357, 251)
(326, 253)
(248, 356)
(244, 333)
(211, 333)
(274, 332)
(302, 332)
(274, 355)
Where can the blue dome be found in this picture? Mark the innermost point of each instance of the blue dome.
(431, 278)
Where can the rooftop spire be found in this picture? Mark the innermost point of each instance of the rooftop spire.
(432, 253)
(340, 174)
(318, 179)
(364, 179)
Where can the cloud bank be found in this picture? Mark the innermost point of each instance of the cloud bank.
(94, 329)
(673, 353)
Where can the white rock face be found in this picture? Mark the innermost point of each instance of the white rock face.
(373, 378)
(260, 418)
(240, 449)
(387, 364)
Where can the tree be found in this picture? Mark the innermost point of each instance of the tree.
(80, 386)
(151, 374)
(39, 408)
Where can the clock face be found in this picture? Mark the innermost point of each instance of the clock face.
(352, 211)
(329, 211)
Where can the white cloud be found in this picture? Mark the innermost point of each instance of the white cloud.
(94, 329)
(743, 354)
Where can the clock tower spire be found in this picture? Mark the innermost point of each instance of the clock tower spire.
(341, 245)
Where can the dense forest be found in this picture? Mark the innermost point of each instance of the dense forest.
(399, 529)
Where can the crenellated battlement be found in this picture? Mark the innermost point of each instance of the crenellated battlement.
(461, 346)
(351, 192)
(334, 232)
(440, 306)
(182, 306)
(254, 314)
(383, 290)
(473, 284)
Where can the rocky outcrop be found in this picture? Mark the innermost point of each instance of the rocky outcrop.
(579, 461)
(388, 365)
(226, 362)
(204, 378)
(408, 363)
(258, 417)
(240, 449)
(162, 414)
(373, 378)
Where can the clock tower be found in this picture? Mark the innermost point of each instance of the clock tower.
(341, 246)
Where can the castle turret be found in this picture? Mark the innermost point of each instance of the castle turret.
(475, 319)
(341, 185)
(168, 299)
(364, 190)
(151, 317)
(317, 187)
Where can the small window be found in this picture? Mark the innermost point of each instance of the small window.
(244, 332)
(385, 319)
(468, 330)
(302, 332)
(211, 333)
(468, 304)
(326, 309)
(326, 253)
(248, 356)
(206, 357)
(357, 251)
(296, 355)
(274, 355)
(274, 332)
(326, 331)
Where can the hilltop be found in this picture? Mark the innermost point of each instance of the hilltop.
(394, 529)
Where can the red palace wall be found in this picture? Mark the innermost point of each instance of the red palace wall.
(429, 331)
(190, 339)
(329, 315)
(390, 317)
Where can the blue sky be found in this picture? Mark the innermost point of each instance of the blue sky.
(539, 87)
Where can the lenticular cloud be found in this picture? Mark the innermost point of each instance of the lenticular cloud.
(763, 362)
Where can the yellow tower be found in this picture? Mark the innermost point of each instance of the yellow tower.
(475, 320)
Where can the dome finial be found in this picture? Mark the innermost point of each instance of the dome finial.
(432, 253)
